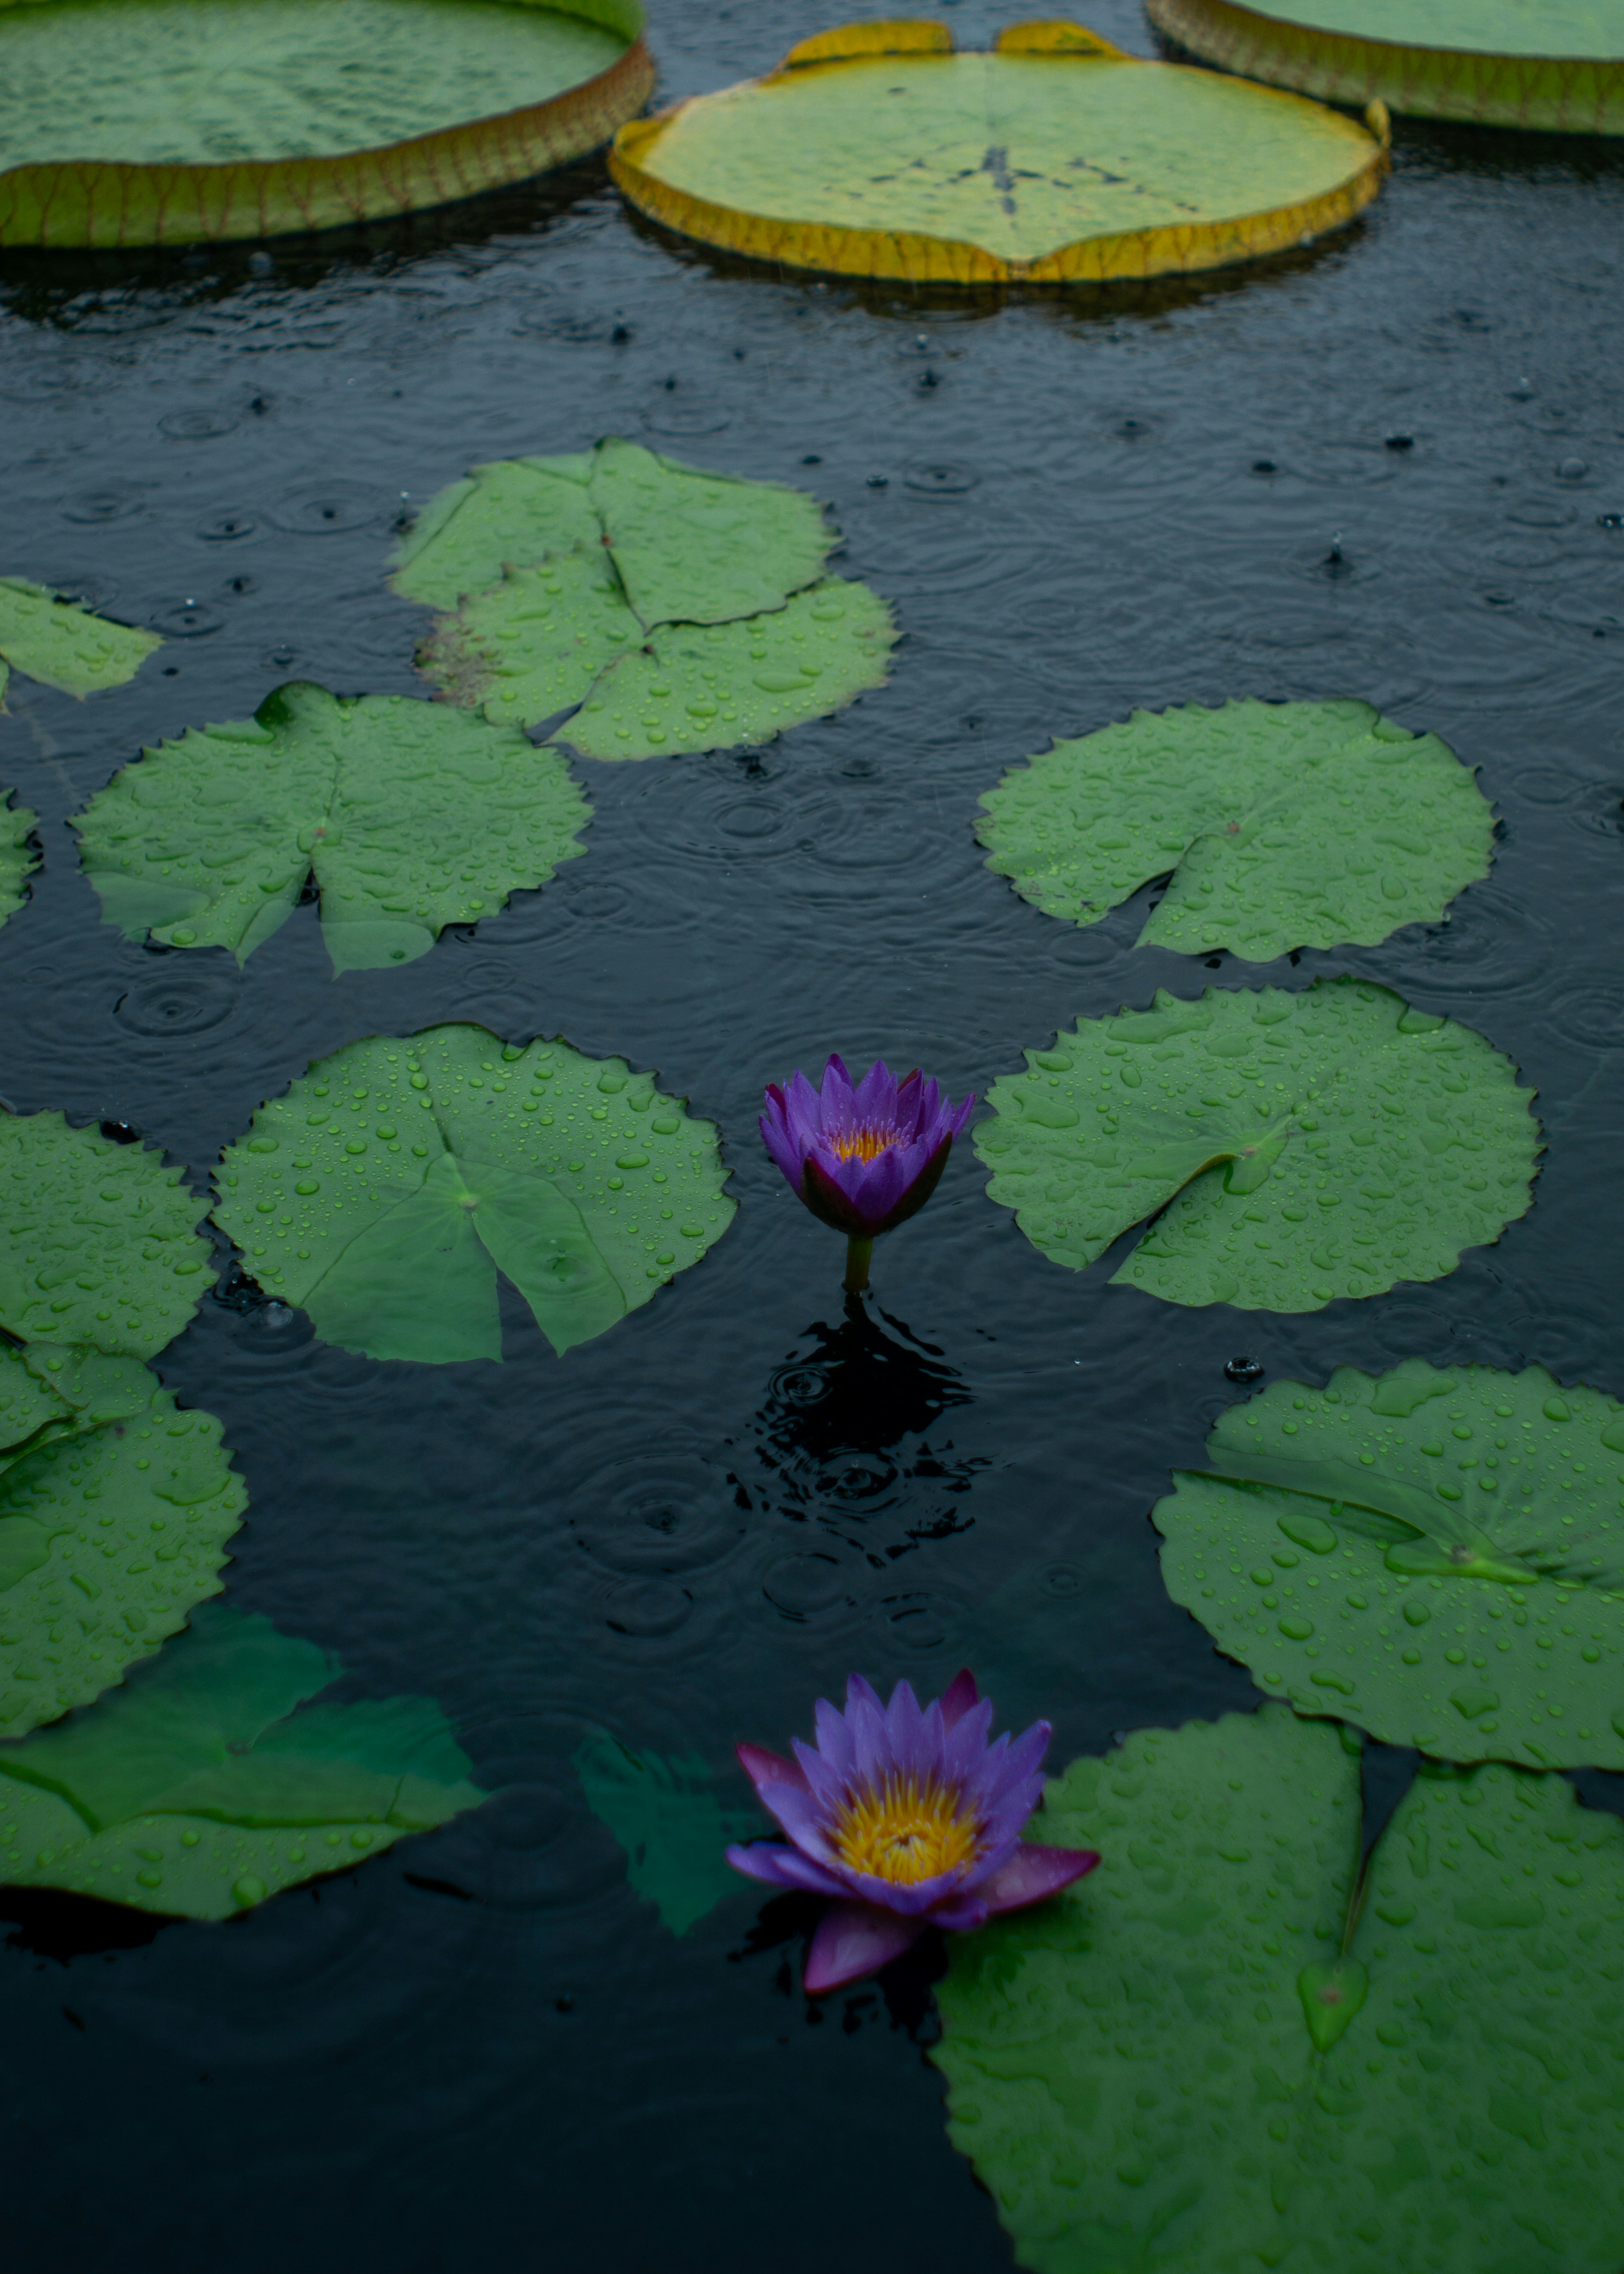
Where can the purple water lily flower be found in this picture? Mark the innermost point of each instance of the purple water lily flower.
(863, 1159)
(909, 1818)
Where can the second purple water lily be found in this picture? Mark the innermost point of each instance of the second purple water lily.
(908, 1818)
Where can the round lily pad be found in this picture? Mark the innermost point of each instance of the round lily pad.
(1291, 1148)
(98, 1241)
(140, 121)
(1554, 65)
(1438, 1556)
(407, 815)
(57, 641)
(1225, 2050)
(1284, 826)
(114, 1510)
(19, 856)
(384, 1191)
(198, 1790)
(875, 150)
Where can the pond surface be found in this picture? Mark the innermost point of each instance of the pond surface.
(1391, 467)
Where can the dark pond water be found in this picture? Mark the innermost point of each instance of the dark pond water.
(1392, 467)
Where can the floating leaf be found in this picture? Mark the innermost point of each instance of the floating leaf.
(667, 1818)
(114, 1510)
(143, 122)
(57, 641)
(875, 151)
(197, 1790)
(409, 816)
(1438, 1556)
(1558, 65)
(1197, 2060)
(18, 857)
(385, 1190)
(560, 634)
(1285, 825)
(1301, 1147)
(97, 1240)
(686, 546)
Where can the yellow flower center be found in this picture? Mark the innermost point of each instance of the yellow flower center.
(905, 1831)
(864, 1144)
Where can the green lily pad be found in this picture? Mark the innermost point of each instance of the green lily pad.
(666, 1817)
(1285, 825)
(409, 816)
(98, 1242)
(383, 1192)
(1301, 1146)
(197, 1790)
(562, 633)
(62, 644)
(18, 856)
(1438, 1556)
(686, 546)
(1210, 2057)
(114, 1510)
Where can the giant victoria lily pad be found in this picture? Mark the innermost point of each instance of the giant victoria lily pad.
(1299, 1147)
(1438, 1556)
(98, 1241)
(385, 1189)
(140, 121)
(670, 609)
(1222, 2052)
(874, 150)
(200, 1789)
(1285, 825)
(18, 856)
(114, 1508)
(1553, 64)
(57, 641)
(407, 815)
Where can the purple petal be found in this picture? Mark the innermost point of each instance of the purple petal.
(852, 1940)
(958, 1697)
(904, 1731)
(835, 1104)
(826, 1781)
(802, 1817)
(764, 1768)
(782, 1146)
(960, 1912)
(866, 1719)
(784, 1867)
(1033, 1873)
(874, 1098)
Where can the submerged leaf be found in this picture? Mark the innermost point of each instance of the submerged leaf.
(1197, 2059)
(1285, 825)
(1462, 1587)
(114, 1510)
(1300, 1147)
(384, 1191)
(409, 816)
(19, 856)
(198, 1788)
(57, 641)
(98, 1243)
(667, 1818)
(686, 546)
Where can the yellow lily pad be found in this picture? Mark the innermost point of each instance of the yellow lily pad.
(1554, 65)
(878, 151)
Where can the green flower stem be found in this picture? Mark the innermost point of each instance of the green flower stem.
(857, 1254)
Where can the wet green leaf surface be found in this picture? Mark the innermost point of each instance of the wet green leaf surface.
(59, 643)
(1311, 1146)
(1193, 2061)
(98, 1243)
(114, 1510)
(686, 546)
(1285, 825)
(1438, 1556)
(387, 1189)
(668, 1820)
(18, 859)
(1494, 27)
(200, 1789)
(408, 816)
